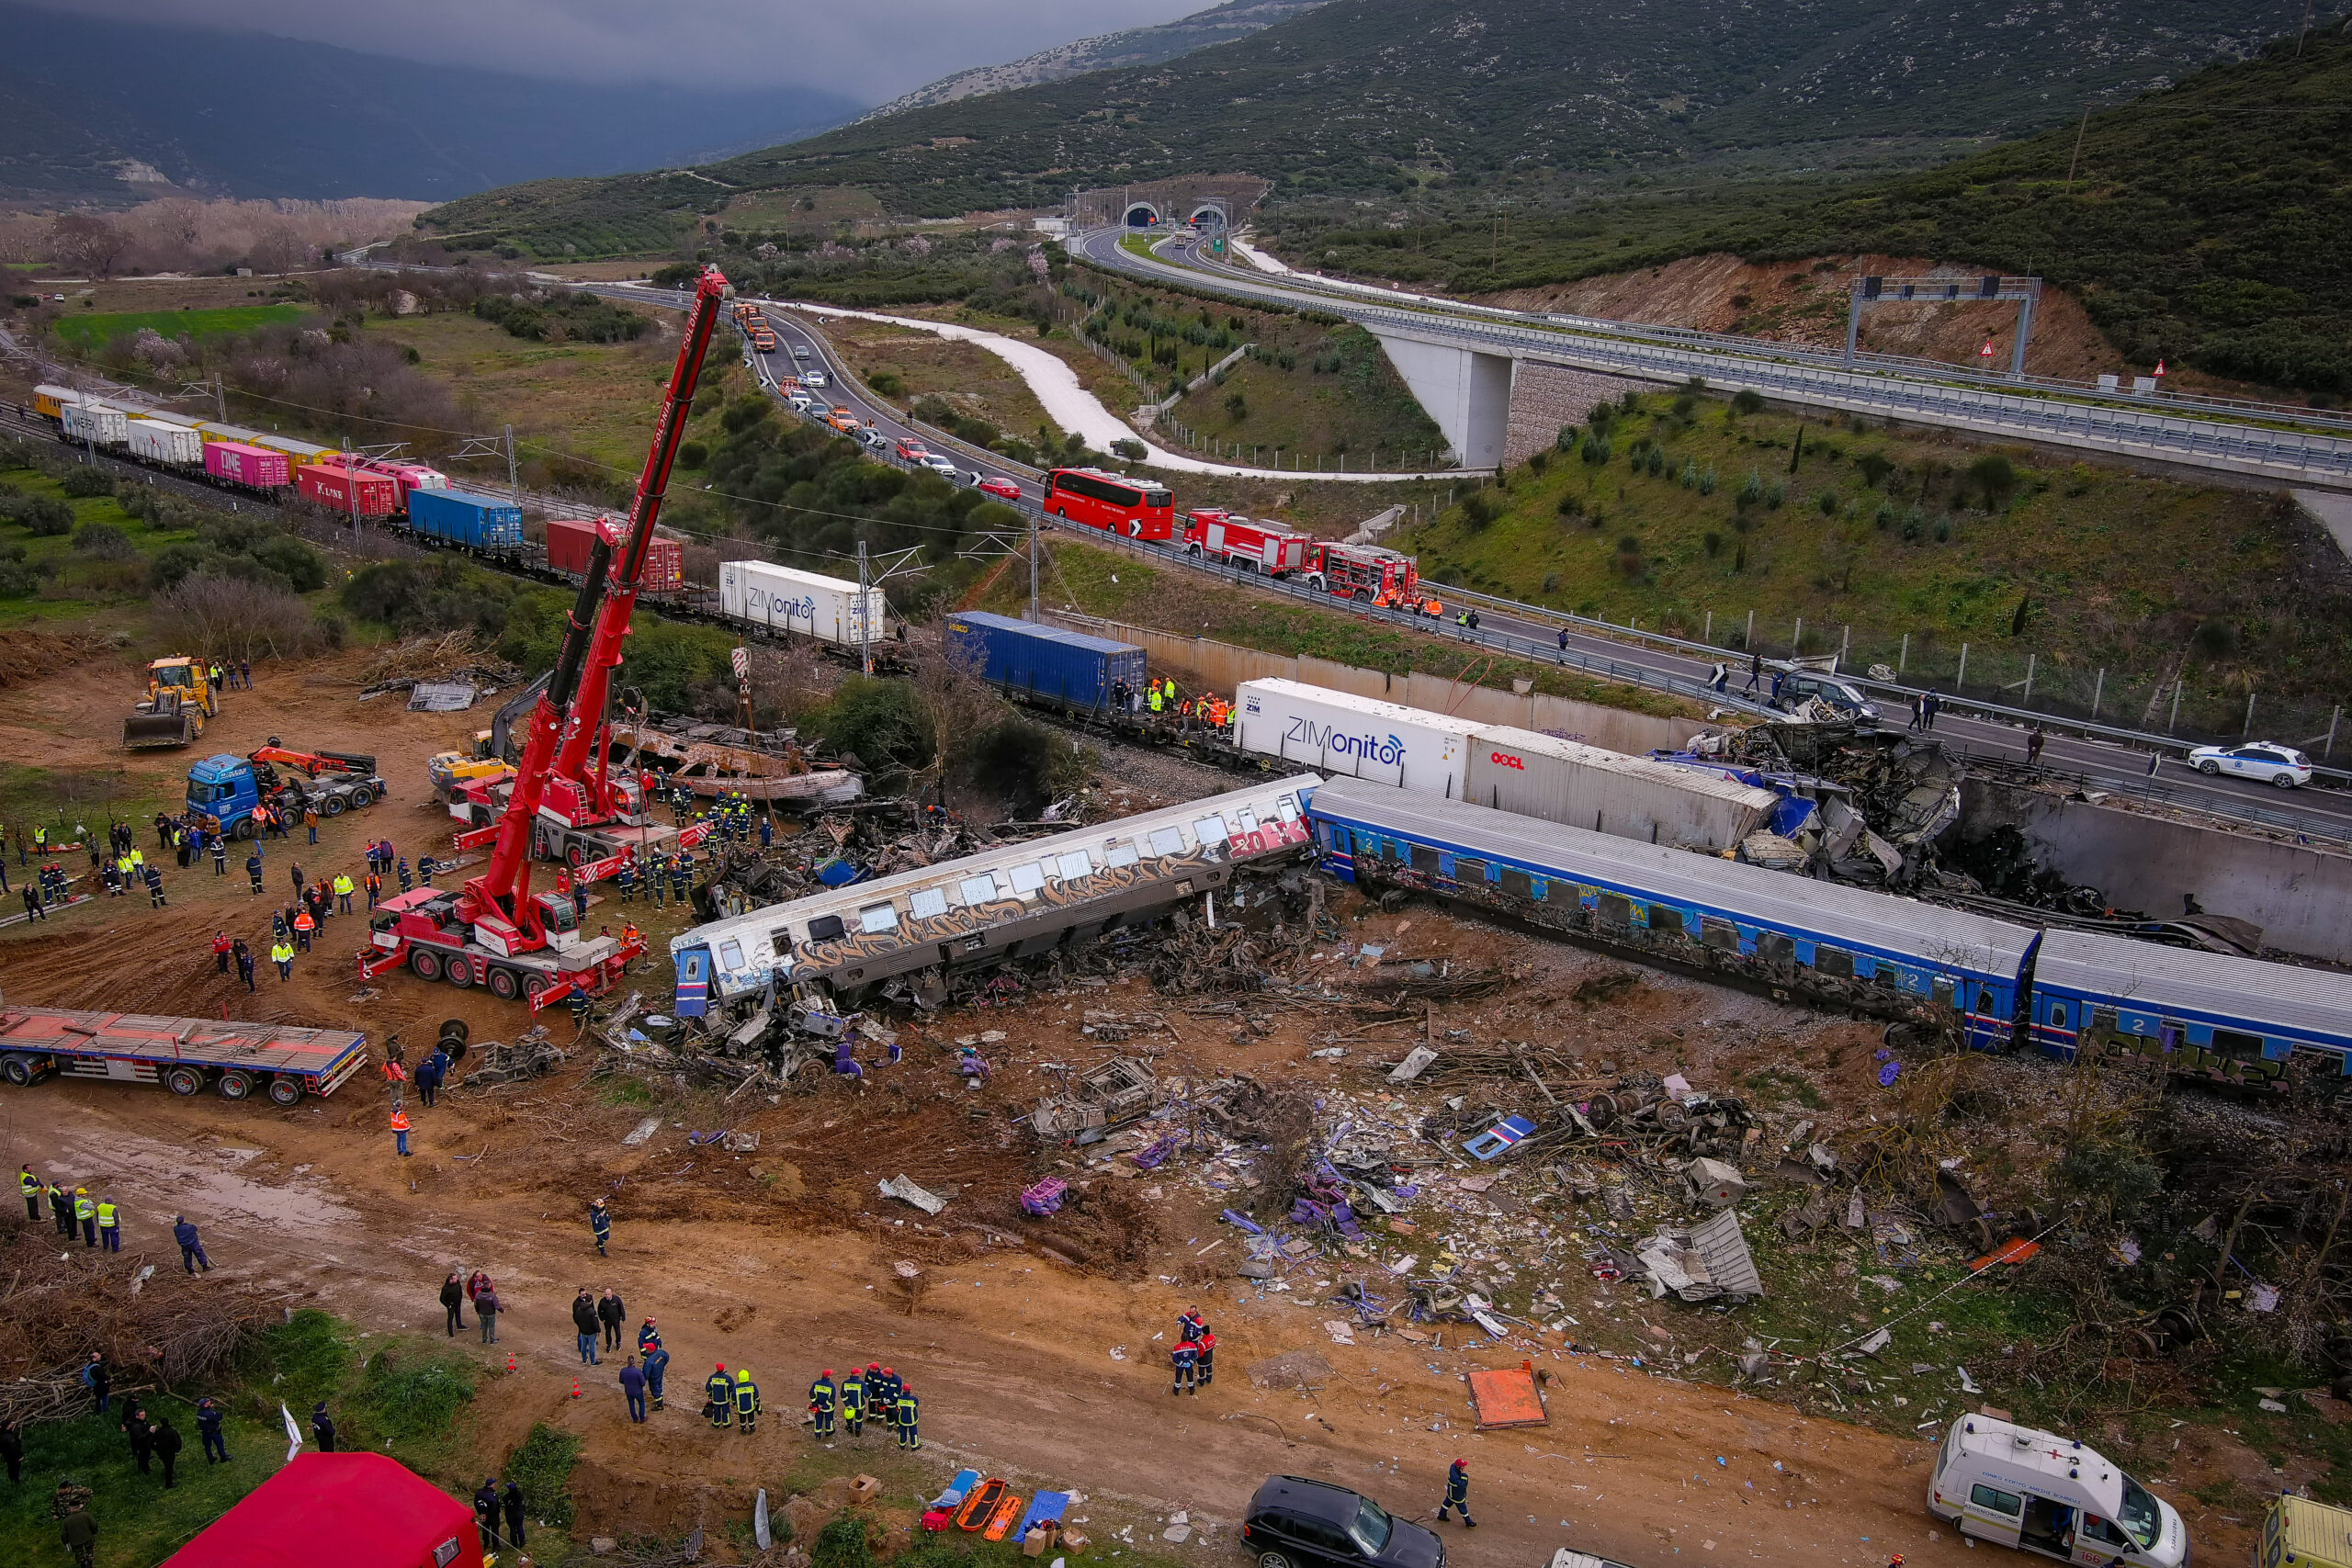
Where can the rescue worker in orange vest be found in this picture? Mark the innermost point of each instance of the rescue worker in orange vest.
(303, 926)
(399, 1128)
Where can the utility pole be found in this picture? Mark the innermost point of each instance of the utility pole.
(351, 487)
(2077, 158)
(1033, 566)
(219, 400)
(865, 620)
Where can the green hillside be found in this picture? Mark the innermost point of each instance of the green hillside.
(2210, 223)
(1683, 514)
(1459, 106)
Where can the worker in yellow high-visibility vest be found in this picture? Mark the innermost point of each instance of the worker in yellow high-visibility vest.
(85, 1215)
(109, 1225)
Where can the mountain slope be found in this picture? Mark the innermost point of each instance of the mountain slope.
(1360, 98)
(1134, 46)
(2210, 222)
(99, 110)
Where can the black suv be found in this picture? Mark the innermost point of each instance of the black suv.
(1297, 1523)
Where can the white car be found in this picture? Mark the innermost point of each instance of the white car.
(800, 402)
(2265, 761)
(942, 466)
(812, 377)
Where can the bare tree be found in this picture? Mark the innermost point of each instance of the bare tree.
(233, 617)
(89, 243)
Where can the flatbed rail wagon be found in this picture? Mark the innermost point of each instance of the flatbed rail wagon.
(184, 1054)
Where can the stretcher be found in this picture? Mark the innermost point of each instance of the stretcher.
(1000, 1521)
(980, 1504)
(941, 1511)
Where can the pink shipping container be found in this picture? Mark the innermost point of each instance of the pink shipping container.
(256, 467)
(330, 485)
(569, 543)
(412, 477)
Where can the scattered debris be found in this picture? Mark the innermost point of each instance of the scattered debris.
(906, 1192)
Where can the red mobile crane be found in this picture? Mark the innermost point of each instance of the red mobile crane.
(493, 930)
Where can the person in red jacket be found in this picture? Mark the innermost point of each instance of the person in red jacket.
(221, 943)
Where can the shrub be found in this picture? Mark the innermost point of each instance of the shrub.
(693, 454)
(1751, 490)
(1602, 415)
(1884, 516)
(1655, 463)
(1714, 543)
(541, 1466)
(882, 722)
(1874, 467)
(1571, 505)
(1567, 438)
(1943, 530)
(1774, 494)
(1993, 477)
(1237, 407)
(886, 383)
(1914, 523)
(1022, 762)
(1746, 400)
(1690, 476)
(1479, 509)
(1707, 479)
(842, 1543)
(292, 560)
(2215, 639)
(1596, 449)
(45, 516)
(1134, 451)
(85, 480)
(104, 541)
(1537, 460)
(1827, 501)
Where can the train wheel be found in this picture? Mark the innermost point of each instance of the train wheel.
(235, 1083)
(424, 964)
(461, 972)
(503, 985)
(286, 1089)
(184, 1081)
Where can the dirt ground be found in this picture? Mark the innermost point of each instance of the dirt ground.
(781, 1258)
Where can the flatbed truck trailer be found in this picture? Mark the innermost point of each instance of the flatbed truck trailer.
(184, 1054)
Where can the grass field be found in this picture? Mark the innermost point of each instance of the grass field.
(98, 329)
(1894, 535)
(917, 363)
(74, 583)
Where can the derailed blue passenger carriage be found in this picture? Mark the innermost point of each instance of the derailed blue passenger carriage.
(1891, 956)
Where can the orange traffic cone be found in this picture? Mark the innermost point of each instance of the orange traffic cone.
(575, 1388)
(510, 1360)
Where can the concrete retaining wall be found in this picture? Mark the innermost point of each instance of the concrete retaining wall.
(1222, 666)
(1545, 397)
(2298, 895)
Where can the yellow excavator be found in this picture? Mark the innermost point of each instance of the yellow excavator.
(179, 699)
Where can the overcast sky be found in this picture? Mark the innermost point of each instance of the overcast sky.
(872, 50)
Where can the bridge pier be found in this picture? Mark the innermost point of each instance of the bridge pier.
(1468, 392)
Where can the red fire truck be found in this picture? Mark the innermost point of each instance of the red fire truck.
(1366, 573)
(1254, 544)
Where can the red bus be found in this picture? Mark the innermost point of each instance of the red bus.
(1139, 508)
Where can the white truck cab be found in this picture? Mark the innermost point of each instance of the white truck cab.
(2040, 1492)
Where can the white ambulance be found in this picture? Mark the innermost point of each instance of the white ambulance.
(2000, 1481)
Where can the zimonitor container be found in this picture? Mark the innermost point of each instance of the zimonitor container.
(1609, 791)
(1048, 661)
(1362, 737)
(780, 598)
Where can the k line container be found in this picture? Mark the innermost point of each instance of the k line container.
(780, 598)
(331, 485)
(1608, 791)
(1360, 736)
(1050, 662)
(239, 463)
(571, 539)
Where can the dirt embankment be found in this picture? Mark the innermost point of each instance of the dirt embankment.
(1806, 302)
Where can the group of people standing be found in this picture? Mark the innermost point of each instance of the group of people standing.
(876, 1393)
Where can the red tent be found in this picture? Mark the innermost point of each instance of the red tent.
(357, 1510)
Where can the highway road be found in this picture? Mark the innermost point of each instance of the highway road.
(1524, 632)
(2290, 445)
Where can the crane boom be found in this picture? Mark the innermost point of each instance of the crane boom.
(653, 484)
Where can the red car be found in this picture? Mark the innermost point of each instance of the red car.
(1005, 488)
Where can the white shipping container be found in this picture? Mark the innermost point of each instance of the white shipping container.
(1362, 737)
(160, 442)
(1608, 791)
(785, 600)
(87, 422)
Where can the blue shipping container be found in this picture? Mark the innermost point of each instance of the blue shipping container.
(461, 517)
(1067, 666)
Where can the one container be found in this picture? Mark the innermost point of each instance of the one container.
(781, 599)
(571, 539)
(302, 452)
(1360, 736)
(1047, 662)
(94, 422)
(254, 468)
(331, 485)
(153, 441)
(2299, 1533)
(469, 521)
(1608, 791)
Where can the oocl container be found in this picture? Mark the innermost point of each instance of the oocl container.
(780, 598)
(255, 468)
(1609, 791)
(156, 442)
(1360, 736)
(1049, 662)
